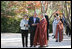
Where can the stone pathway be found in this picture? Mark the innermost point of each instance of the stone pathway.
(13, 40)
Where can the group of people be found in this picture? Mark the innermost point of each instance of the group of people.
(58, 27)
(38, 27)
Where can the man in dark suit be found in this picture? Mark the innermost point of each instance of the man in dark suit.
(47, 26)
(33, 24)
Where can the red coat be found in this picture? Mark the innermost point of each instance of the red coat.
(59, 29)
(41, 33)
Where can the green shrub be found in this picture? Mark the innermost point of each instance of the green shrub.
(13, 26)
(9, 25)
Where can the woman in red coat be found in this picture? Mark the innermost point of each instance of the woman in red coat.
(41, 33)
(59, 31)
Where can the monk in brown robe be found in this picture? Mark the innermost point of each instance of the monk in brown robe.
(41, 33)
(59, 31)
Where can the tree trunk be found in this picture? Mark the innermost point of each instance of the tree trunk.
(67, 16)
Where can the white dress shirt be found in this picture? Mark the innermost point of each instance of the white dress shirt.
(34, 18)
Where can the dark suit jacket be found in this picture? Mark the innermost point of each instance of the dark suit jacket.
(31, 21)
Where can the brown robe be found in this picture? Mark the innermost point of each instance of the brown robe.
(41, 33)
(59, 29)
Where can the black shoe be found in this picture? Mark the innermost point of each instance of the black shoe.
(34, 46)
(26, 46)
(31, 46)
(56, 40)
(23, 46)
(59, 41)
